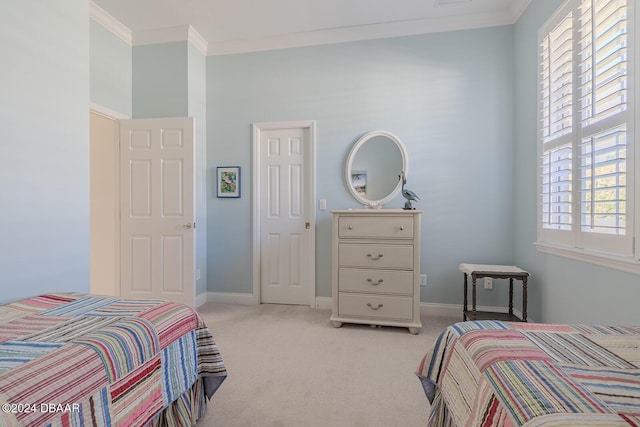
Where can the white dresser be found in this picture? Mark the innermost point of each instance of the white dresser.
(376, 267)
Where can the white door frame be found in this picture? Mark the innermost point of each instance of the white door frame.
(310, 176)
(116, 117)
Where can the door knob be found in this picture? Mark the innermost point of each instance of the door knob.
(188, 225)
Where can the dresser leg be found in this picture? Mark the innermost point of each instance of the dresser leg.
(414, 331)
(336, 324)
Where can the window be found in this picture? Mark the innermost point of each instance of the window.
(586, 121)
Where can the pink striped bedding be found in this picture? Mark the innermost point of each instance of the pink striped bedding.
(492, 373)
(70, 359)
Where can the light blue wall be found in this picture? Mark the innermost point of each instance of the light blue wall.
(169, 80)
(561, 290)
(197, 108)
(448, 97)
(110, 69)
(44, 154)
(160, 80)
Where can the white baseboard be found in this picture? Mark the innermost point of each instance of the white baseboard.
(232, 298)
(434, 309)
(324, 303)
(201, 299)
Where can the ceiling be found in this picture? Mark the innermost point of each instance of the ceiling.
(228, 26)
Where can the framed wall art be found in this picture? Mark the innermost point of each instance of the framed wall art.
(228, 181)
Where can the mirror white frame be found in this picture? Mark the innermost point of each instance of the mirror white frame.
(375, 204)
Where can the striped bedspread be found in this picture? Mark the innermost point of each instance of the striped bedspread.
(80, 360)
(491, 373)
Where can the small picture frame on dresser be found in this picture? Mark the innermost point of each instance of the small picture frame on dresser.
(359, 182)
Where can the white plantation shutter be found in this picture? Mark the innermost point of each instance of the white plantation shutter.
(604, 115)
(556, 188)
(557, 82)
(603, 182)
(603, 60)
(585, 198)
(557, 71)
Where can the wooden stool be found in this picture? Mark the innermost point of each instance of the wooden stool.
(477, 271)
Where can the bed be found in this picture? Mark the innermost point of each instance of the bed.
(492, 373)
(69, 359)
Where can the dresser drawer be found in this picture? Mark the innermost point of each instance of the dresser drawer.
(376, 256)
(375, 306)
(368, 227)
(378, 281)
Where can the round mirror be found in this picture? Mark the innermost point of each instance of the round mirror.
(374, 166)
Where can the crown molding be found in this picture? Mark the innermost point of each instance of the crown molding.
(307, 38)
(110, 23)
(197, 40)
(136, 38)
(360, 33)
(179, 33)
(517, 9)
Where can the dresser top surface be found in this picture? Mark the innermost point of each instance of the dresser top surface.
(375, 212)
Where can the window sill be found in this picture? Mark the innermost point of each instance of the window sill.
(629, 265)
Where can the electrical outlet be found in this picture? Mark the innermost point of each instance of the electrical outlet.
(488, 282)
(423, 280)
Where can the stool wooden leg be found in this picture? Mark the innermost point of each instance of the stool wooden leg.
(511, 296)
(474, 315)
(524, 299)
(464, 307)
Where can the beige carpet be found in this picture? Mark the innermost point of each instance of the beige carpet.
(289, 367)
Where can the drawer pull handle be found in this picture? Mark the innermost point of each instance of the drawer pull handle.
(375, 284)
(402, 228)
(350, 227)
(372, 258)
(374, 308)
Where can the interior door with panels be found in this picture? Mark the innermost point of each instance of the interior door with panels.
(157, 209)
(284, 234)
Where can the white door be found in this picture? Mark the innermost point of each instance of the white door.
(286, 226)
(157, 209)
